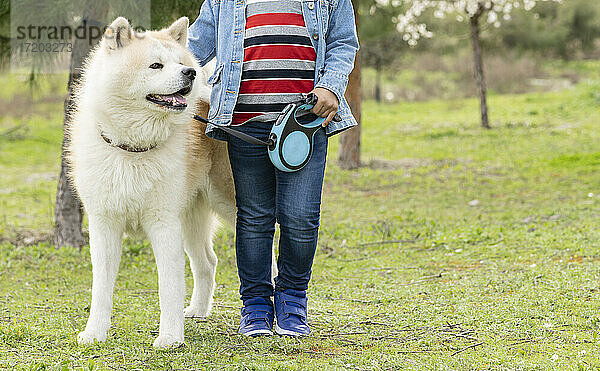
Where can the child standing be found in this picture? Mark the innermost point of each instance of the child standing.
(268, 53)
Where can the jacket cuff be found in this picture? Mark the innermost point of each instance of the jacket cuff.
(334, 82)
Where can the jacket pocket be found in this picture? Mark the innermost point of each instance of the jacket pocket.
(215, 77)
(331, 4)
(215, 95)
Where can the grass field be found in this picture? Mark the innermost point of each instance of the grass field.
(452, 248)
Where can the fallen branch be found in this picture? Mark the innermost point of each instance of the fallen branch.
(353, 300)
(467, 348)
(499, 241)
(373, 323)
(318, 353)
(524, 341)
(12, 130)
(225, 306)
(417, 351)
(343, 334)
(461, 335)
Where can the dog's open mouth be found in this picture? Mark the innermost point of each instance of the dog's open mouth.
(175, 101)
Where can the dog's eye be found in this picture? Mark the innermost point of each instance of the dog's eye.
(156, 66)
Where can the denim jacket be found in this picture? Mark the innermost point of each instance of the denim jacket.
(219, 32)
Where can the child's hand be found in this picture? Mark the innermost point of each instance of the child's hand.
(327, 104)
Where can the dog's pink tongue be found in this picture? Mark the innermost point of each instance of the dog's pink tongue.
(179, 99)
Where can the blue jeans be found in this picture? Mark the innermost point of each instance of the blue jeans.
(265, 195)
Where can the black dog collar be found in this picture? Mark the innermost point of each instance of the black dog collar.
(126, 147)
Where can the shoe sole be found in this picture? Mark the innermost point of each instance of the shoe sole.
(280, 331)
(258, 333)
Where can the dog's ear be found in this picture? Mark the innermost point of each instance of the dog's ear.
(119, 34)
(179, 30)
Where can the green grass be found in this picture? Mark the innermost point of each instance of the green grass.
(411, 272)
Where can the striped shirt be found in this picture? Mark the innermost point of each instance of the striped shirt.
(279, 60)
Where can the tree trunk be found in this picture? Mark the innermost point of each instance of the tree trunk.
(68, 211)
(476, 41)
(349, 152)
(378, 84)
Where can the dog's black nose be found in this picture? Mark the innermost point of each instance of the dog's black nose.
(190, 73)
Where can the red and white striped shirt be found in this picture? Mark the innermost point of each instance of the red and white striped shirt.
(279, 60)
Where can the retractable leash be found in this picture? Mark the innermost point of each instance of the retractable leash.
(290, 142)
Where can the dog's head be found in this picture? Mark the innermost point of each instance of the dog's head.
(151, 73)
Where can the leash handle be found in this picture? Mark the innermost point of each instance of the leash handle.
(236, 133)
(311, 98)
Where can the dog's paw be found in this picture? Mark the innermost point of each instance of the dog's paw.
(168, 341)
(195, 311)
(88, 337)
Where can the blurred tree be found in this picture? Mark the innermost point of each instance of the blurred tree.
(380, 42)
(4, 32)
(583, 21)
(165, 12)
(565, 31)
(349, 151)
(475, 12)
(68, 211)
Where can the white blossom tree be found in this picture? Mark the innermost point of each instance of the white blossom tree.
(476, 12)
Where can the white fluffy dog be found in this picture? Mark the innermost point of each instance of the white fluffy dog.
(140, 164)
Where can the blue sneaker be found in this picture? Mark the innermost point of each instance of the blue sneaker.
(290, 309)
(257, 317)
